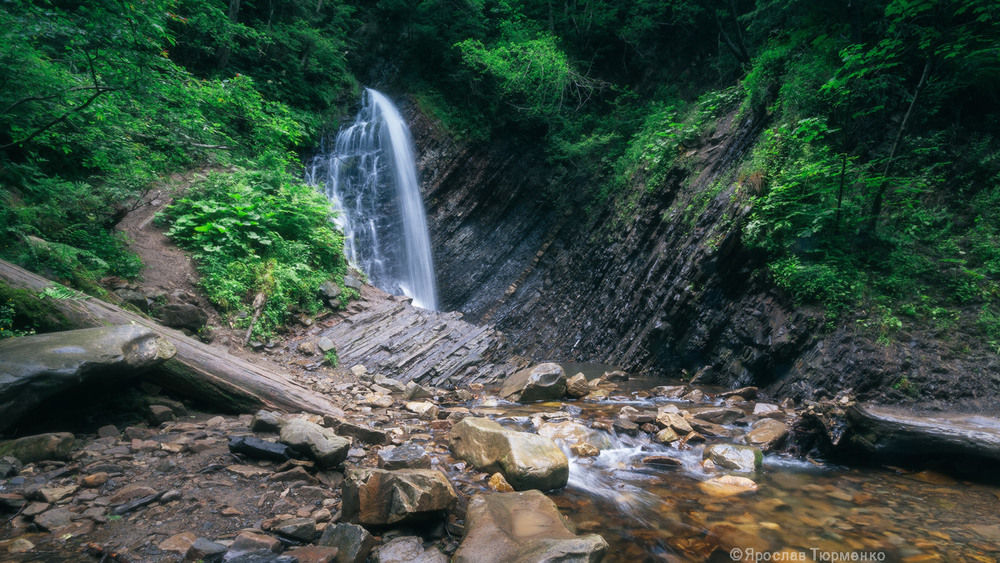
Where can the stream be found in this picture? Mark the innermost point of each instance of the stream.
(803, 510)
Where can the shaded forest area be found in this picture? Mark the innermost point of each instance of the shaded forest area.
(875, 183)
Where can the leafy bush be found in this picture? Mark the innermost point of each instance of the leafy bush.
(253, 233)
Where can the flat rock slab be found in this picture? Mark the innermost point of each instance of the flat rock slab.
(527, 461)
(34, 368)
(522, 528)
(436, 349)
(890, 431)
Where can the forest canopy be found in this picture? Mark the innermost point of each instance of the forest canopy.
(877, 163)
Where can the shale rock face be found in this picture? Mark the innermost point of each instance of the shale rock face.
(34, 368)
(521, 528)
(527, 461)
(544, 382)
(378, 497)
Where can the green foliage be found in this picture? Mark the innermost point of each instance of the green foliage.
(331, 358)
(253, 233)
(22, 313)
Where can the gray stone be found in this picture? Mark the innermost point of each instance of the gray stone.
(408, 549)
(301, 529)
(377, 497)
(734, 457)
(394, 384)
(255, 448)
(352, 282)
(206, 551)
(29, 449)
(249, 542)
(325, 344)
(767, 434)
(135, 298)
(406, 456)
(10, 466)
(34, 368)
(320, 444)
(54, 519)
(109, 431)
(720, 415)
(267, 421)
(308, 348)
(364, 433)
(577, 386)
(330, 290)
(527, 461)
(414, 391)
(522, 527)
(260, 557)
(616, 375)
(544, 382)
(158, 414)
(353, 542)
(183, 315)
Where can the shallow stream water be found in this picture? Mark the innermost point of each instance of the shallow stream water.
(803, 510)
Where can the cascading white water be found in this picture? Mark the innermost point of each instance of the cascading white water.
(371, 178)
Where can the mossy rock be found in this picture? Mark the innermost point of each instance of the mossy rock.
(33, 312)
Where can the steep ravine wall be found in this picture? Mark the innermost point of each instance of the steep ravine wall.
(653, 281)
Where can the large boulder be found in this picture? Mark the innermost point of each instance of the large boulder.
(891, 431)
(379, 497)
(353, 542)
(544, 382)
(527, 461)
(316, 442)
(34, 368)
(767, 434)
(183, 315)
(522, 527)
(30, 449)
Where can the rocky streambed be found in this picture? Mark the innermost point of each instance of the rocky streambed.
(608, 468)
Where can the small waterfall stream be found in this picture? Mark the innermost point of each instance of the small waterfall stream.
(370, 176)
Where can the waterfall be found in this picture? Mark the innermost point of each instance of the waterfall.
(371, 178)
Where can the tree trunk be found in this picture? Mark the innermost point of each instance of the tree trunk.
(203, 372)
(880, 193)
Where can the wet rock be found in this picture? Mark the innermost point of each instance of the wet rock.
(320, 444)
(414, 391)
(249, 542)
(267, 421)
(183, 315)
(524, 526)
(408, 549)
(767, 434)
(888, 431)
(178, 543)
(614, 376)
(20, 545)
(527, 461)
(625, 427)
(709, 428)
(205, 550)
(394, 385)
(406, 456)
(667, 436)
(41, 447)
(727, 486)
(314, 554)
(544, 382)
(363, 433)
(760, 409)
(158, 414)
(666, 419)
(661, 461)
(54, 519)
(39, 366)
(573, 433)
(576, 386)
(376, 496)
(670, 391)
(260, 557)
(424, 410)
(722, 415)
(10, 502)
(10, 466)
(255, 448)
(353, 542)
(499, 484)
(747, 393)
(734, 457)
(301, 529)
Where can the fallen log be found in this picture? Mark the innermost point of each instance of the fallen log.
(197, 370)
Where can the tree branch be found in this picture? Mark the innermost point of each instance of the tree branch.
(63, 117)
